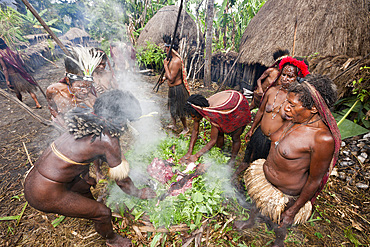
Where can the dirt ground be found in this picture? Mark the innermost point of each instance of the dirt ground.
(343, 210)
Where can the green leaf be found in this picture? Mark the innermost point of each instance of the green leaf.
(197, 197)
(156, 238)
(58, 220)
(348, 128)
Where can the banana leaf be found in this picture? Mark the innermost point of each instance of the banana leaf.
(348, 128)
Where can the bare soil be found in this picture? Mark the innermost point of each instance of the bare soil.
(343, 209)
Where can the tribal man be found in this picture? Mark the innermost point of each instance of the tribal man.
(267, 78)
(303, 152)
(59, 181)
(76, 88)
(178, 91)
(227, 111)
(16, 77)
(104, 80)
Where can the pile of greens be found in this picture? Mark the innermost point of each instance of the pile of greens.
(204, 199)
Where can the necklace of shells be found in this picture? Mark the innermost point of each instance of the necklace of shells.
(273, 115)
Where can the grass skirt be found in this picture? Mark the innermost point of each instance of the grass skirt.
(269, 200)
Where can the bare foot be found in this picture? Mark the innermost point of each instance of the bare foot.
(242, 224)
(118, 241)
(184, 132)
(38, 107)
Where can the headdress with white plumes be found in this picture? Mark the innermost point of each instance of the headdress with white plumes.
(87, 59)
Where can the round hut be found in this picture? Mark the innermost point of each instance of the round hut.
(312, 28)
(163, 22)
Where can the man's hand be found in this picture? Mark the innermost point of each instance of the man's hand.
(259, 90)
(192, 158)
(185, 158)
(147, 193)
(166, 62)
(287, 218)
(248, 135)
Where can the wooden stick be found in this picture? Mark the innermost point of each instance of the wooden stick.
(295, 34)
(158, 84)
(38, 53)
(28, 156)
(227, 75)
(42, 22)
(29, 110)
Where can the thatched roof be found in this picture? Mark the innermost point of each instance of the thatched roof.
(163, 22)
(74, 33)
(327, 27)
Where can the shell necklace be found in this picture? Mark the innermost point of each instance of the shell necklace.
(289, 130)
(273, 115)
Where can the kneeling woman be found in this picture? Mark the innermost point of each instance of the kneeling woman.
(58, 183)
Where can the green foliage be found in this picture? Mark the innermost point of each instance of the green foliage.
(10, 26)
(204, 199)
(151, 56)
(351, 236)
(354, 107)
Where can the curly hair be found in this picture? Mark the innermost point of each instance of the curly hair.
(195, 99)
(279, 53)
(323, 84)
(111, 112)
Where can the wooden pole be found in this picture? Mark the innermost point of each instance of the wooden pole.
(38, 17)
(227, 75)
(295, 34)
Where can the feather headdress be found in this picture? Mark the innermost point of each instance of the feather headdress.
(86, 58)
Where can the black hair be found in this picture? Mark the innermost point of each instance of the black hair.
(2, 44)
(118, 106)
(71, 66)
(195, 99)
(279, 53)
(322, 83)
(167, 39)
(111, 112)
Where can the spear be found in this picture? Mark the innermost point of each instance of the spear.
(42, 22)
(169, 52)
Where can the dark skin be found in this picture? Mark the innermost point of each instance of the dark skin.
(7, 69)
(265, 80)
(298, 163)
(104, 78)
(62, 97)
(57, 186)
(217, 137)
(173, 75)
(268, 108)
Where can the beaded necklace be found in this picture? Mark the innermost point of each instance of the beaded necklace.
(73, 96)
(273, 115)
(289, 130)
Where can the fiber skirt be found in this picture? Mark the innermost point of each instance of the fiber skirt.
(177, 97)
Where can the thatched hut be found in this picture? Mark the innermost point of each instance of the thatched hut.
(78, 36)
(163, 22)
(307, 27)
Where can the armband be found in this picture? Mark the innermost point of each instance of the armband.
(119, 172)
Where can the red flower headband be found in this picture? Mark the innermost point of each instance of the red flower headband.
(303, 70)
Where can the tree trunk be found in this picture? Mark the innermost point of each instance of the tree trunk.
(208, 55)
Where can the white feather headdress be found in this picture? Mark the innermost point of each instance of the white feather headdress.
(86, 58)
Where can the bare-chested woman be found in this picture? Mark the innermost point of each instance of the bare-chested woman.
(270, 116)
(301, 158)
